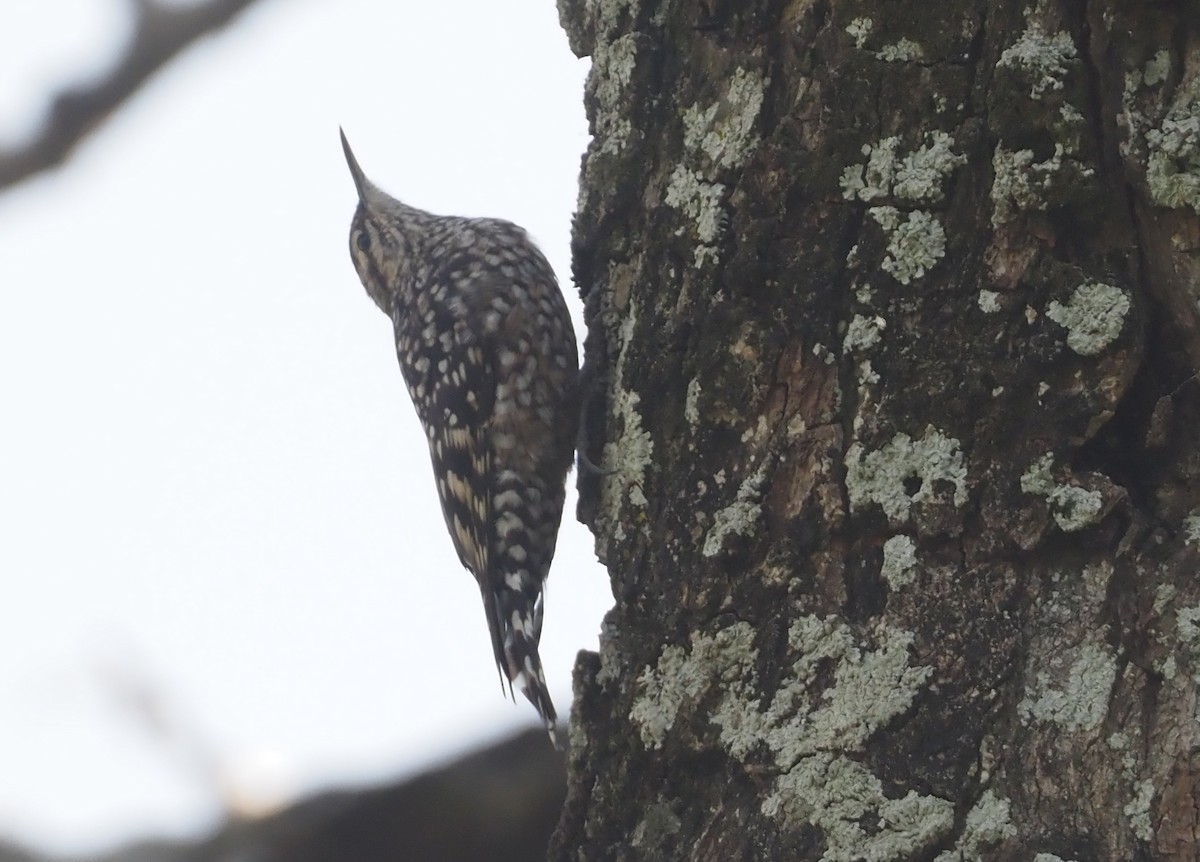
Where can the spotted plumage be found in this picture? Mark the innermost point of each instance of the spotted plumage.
(488, 353)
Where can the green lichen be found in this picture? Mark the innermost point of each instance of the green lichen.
(1157, 68)
(715, 137)
(724, 130)
(1138, 810)
(626, 457)
(1050, 857)
(1041, 59)
(921, 175)
(604, 16)
(1187, 626)
(1133, 116)
(918, 177)
(1168, 667)
(1164, 594)
(915, 243)
(1173, 160)
(1191, 527)
(873, 179)
(807, 729)
(803, 730)
(863, 333)
(630, 454)
(988, 823)
(879, 476)
(1023, 185)
(989, 301)
(903, 51)
(866, 375)
(613, 64)
(859, 29)
(691, 402)
(681, 678)
(657, 830)
(1038, 479)
(1093, 317)
(870, 688)
(857, 820)
(740, 518)
(899, 562)
(1072, 507)
(700, 201)
(1073, 692)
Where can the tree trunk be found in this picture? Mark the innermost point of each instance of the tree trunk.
(892, 328)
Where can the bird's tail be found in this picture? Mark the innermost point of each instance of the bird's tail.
(515, 622)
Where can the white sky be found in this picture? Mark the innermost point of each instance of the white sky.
(214, 496)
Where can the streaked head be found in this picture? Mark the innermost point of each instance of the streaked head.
(383, 234)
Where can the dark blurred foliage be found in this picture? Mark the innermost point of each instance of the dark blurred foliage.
(499, 804)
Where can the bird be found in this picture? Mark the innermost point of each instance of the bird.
(488, 354)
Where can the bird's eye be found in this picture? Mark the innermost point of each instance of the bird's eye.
(363, 242)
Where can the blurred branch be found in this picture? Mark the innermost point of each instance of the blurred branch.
(160, 31)
(497, 804)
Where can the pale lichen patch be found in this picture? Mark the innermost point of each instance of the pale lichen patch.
(1075, 508)
(1040, 57)
(1164, 594)
(899, 562)
(989, 301)
(681, 677)
(880, 476)
(1187, 626)
(863, 333)
(921, 175)
(1072, 507)
(724, 130)
(840, 797)
(627, 457)
(699, 200)
(873, 179)
(803, 729)
(1023, 185)
(859, 29)
(1093, 316)
(870, 688)
(613, 64)
(1157, 68)
(716, 136)
(1074, 691)
(988, 823)
(808, 728)
(1191, 527)
(915, 242)
(918, 177)
(903, 51)
(740, 518)
(631, 454)
(1173, 160)
(1138, 810)
(691, 402)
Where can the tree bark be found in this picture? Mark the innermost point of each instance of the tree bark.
(890, 370)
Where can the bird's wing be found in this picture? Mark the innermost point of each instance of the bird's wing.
(453, 386)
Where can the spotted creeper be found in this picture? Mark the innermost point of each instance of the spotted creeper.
(488, 353)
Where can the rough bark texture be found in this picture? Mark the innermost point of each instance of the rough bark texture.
(892, 314)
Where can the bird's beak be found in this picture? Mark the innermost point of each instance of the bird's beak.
(360, 179)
